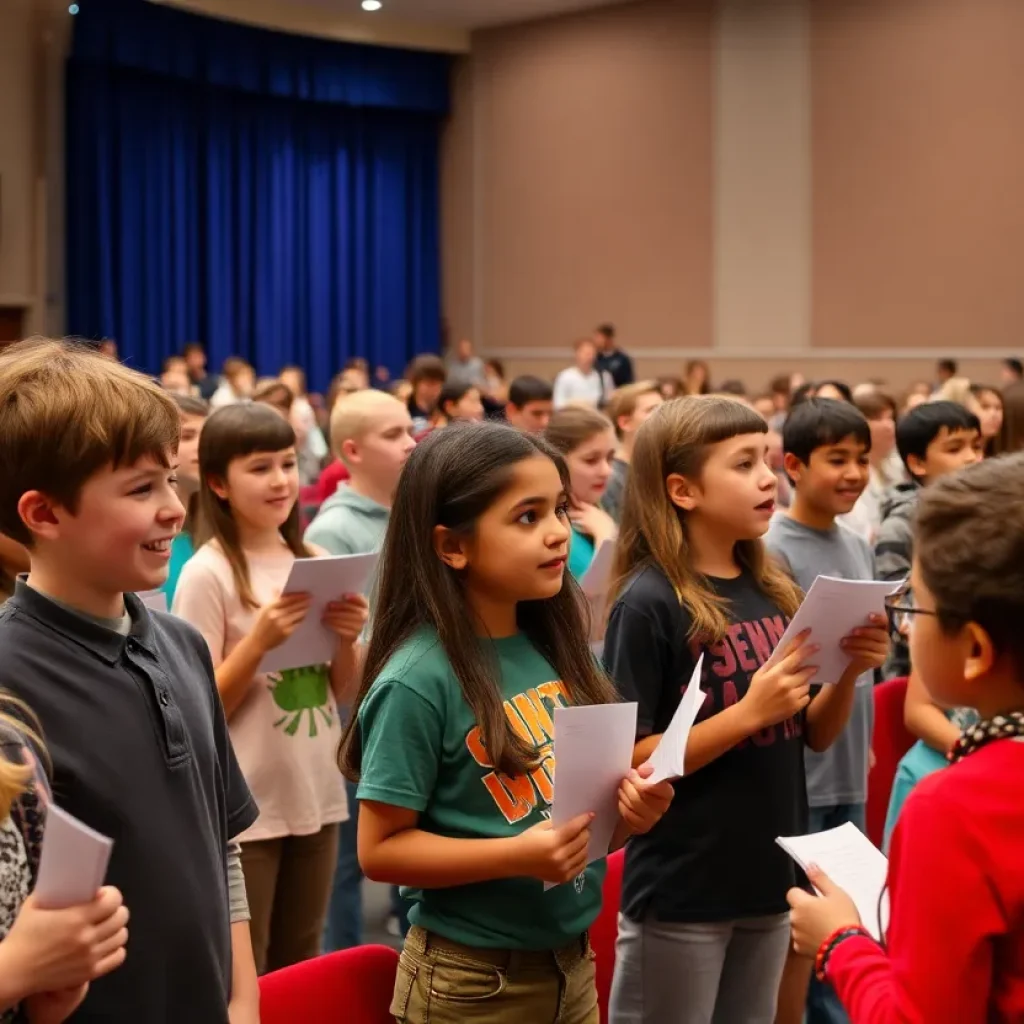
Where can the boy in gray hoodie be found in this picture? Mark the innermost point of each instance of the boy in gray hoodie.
(371, 432)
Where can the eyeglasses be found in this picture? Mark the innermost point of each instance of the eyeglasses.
(901, 609)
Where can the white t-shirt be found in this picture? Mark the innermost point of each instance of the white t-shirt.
(286, 730)
(572, 385)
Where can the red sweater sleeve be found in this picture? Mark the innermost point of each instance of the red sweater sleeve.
(938, 965)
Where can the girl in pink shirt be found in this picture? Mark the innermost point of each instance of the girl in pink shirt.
(284, 725)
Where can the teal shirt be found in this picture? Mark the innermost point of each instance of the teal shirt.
(581, 553)
(422, 751)
(181, 551)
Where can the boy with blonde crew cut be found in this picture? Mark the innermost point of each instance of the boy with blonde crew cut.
(371, 432)
(126, 697)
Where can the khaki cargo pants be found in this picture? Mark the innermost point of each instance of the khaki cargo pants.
(443, 982)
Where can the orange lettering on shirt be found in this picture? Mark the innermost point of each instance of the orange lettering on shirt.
(513, 795)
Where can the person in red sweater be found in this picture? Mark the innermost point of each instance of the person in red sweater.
(954, 953)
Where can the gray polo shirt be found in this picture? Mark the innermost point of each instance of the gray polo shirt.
(136, 733)
(840, 774)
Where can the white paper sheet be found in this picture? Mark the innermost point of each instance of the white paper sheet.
(593, 754)
(831, 610)
(850, 859)
(325, 579)
(594, 582)
(669, 757)
(73, 861)
(155, 600)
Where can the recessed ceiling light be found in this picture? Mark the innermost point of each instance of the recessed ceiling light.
(372, 5)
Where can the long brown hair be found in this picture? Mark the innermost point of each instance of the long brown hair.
(1011, 436)
(678, 438)
(452, 477)
(232, 433)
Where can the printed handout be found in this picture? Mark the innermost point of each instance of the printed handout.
(669, 757)
(850, 859)
(593, 754)
(831, 610)
(326, 580)
(73, 861)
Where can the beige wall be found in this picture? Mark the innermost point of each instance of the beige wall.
(33, 35)
(840, 176)
(578, 180)
(918, 141)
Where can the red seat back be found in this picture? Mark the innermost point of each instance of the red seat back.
(354, 985)
(891, 741)
(605, 930)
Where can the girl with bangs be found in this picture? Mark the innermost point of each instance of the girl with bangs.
(704, 929)
(284, 726)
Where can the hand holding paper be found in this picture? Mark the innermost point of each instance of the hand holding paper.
(832, 609)
(669, 758)
(852, 870)
(307, 640)
(643, 802)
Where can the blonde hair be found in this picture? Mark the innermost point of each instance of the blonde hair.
(65, 413)
(354, 414)
(624, 400)
(678, 438)
(15, 778)
(956, 389)
(572, 426)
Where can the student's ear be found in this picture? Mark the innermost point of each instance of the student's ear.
(793, 466)
(622, 425)
(982, 654)
(450, 548)
(917, 468)
(218, 486)
(681, 492)
(349, 451)
(40, 514)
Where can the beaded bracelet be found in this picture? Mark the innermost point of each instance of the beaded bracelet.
(826, 949)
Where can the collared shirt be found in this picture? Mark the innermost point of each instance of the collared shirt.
(139, 745)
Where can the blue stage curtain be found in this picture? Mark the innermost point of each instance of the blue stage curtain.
(272, 196)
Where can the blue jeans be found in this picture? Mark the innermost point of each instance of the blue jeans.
(344, 927)
(823, 1006)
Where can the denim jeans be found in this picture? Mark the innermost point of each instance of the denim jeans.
(823, 1006)
(345, 913)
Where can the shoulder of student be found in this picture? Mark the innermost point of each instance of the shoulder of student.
(421, 666)
(328, 532)
(649, 592)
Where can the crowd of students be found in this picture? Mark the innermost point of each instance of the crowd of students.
(246, 806)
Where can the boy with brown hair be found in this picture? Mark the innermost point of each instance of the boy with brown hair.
(126, 697)
(628, 409)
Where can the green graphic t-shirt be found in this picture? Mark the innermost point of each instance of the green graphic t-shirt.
(422, 750)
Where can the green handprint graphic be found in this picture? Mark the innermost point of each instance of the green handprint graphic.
(297, 691)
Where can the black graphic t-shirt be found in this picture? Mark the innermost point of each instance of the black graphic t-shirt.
(713, 856)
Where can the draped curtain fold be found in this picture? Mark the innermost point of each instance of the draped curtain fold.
(273, 196)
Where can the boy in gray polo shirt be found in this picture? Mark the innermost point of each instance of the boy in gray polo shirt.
(826, 445)
(126, 698)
